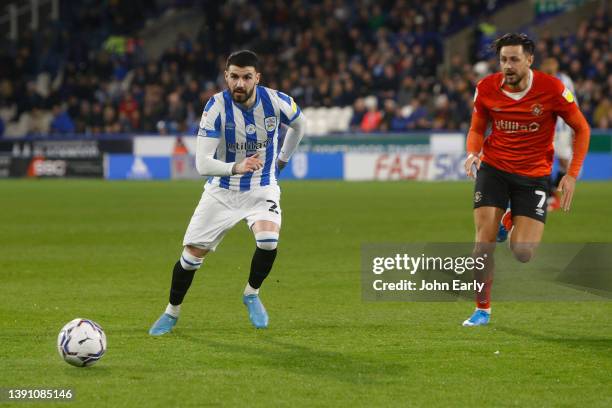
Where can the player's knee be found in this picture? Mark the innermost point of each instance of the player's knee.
(267, 240)
(192, 258)
(522, 253)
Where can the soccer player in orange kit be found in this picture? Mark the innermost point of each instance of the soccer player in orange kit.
(514, 162)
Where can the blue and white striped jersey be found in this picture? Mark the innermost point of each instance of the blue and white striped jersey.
(243, 132)
(561, 126)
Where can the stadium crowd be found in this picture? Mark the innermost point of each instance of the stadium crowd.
(89, 73)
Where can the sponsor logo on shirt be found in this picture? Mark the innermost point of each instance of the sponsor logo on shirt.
(509, 126)
(568, 95)
(248, 146)
(537, 109)
(270, 123)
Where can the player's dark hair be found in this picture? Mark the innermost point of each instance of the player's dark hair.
(243, 58)
(515, 39)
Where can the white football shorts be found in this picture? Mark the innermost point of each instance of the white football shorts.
(220, 209)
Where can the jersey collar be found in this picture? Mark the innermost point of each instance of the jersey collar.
(518, 95)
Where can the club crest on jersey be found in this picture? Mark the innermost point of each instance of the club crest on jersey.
(250, 129)
(270, 123)
(537, 109)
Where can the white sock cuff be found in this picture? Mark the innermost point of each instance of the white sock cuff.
(173, 310)
(249, 290)
(190, 262)
(267, 240)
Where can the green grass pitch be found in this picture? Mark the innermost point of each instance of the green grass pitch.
(104, 250)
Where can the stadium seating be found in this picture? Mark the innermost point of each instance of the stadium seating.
(383, 46)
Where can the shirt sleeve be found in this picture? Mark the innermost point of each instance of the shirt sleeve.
(292, 138)
(475, 137)
(210, 123)
(582, 137)
(289, 110)
(564, 101)
(479, 107)
(478, 127)
(206, 164)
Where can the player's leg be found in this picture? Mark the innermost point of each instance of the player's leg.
(209, 223)
(182, 276)
(486, 220)
(264, 220)
(266, 234)
(525, 238)
(505, 226)
(491, 197)
(529, 196)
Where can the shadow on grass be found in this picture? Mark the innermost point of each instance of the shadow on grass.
(595, 344)
(95, 371)
(342, 366)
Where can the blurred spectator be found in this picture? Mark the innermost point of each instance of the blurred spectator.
(83, 120)
(603, 114)
(38, 121)
(97, 119)
(128, 110)
(389, 113)
(372, 118)
(359, 111)
(61, 122)
(111, 122)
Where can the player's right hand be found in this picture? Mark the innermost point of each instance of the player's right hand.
(248, 165)
(567, 186)
(471, 165)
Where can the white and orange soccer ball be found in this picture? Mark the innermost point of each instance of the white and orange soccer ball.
(81, 342)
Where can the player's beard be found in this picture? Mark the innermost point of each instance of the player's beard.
(242, 97)
(516, 79)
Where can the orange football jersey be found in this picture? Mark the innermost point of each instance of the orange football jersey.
(522, 123)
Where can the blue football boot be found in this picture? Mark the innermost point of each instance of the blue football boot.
(478, 318)
(502, 233)
(257, 311)
(163, 325)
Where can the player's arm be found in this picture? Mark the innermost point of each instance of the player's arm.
(207, 165)
(291, 115)
(207, 143)
(582, 135)
(294, 135)
(475, 137)
(569, 111)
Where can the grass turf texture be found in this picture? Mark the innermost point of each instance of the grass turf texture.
(104, 250)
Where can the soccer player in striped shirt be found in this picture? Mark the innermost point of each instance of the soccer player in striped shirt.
(238, 149)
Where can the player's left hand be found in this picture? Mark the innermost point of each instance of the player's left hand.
(280, 164)
(566, 188)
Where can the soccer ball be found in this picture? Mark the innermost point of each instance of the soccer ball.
(81, 342)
